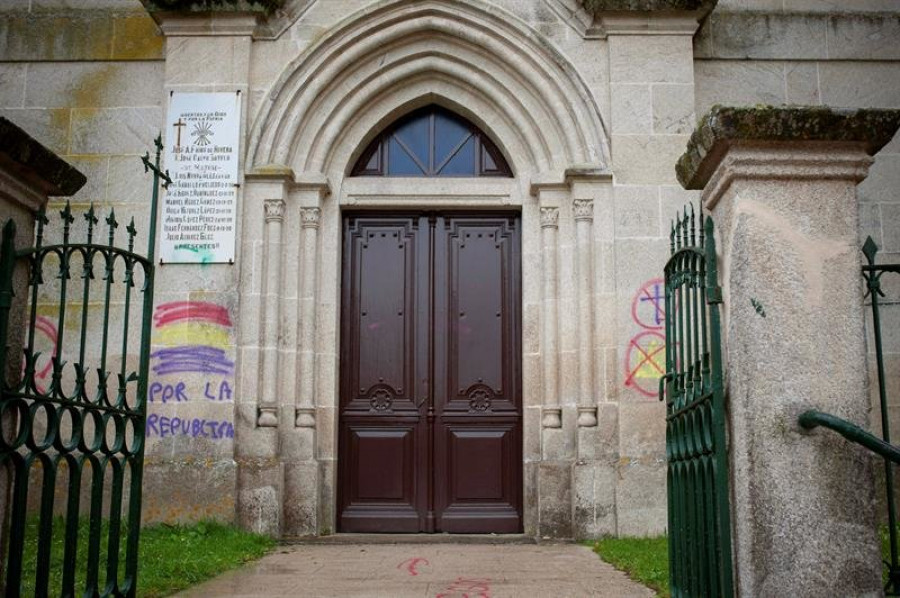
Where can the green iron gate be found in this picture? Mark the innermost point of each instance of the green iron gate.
(696, 450)
(73, 435)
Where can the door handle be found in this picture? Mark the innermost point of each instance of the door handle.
(421, 402)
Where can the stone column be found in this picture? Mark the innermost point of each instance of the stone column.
(552, 412)
(258, 417)
(299, 433)
(306, 411)
(780, 184)
(268, 404)
(584, 221)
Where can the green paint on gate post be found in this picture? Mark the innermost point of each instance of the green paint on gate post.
(72, 423)
(693, 389)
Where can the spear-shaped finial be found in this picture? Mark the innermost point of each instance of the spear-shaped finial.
(132, 232)
(91, 219)
(113, 225)
(68, 219)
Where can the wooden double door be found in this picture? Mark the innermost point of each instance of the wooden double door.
(431, 404)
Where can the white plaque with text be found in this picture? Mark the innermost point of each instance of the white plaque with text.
(199, 210)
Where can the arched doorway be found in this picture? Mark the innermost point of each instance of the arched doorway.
(430, 408)
(319, 121)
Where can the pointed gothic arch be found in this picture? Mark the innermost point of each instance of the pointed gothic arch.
(483, 63)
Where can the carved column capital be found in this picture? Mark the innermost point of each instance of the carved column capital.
(274, 210)
(549, 217)
(309, 217)
(584, 209)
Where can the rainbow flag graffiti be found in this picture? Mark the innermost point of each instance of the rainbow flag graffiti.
(195, 335)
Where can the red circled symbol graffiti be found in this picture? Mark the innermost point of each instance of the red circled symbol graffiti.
(48, 330)
(648, 308)
(645, 362)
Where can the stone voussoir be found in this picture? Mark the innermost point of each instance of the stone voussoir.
(36, 163)
(724, 126)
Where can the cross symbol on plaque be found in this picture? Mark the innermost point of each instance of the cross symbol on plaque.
(178, 125)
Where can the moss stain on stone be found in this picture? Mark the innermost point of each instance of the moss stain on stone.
(721, 126)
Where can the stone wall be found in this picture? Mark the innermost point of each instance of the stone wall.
(90, 80)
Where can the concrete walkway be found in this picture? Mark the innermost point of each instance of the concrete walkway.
(425, 571)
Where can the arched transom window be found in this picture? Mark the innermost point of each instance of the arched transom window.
(432, 142)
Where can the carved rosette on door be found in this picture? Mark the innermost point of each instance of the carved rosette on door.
(431, 410)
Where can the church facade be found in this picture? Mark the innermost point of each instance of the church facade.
(444, 310)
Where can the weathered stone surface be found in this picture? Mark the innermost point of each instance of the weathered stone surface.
(33, 162)
(189, 6)
(12, 84)
(767, 35)
(637, 211)
(555, 491)
(631, 109)
(862, 84)
(738, 83)
(801, 82)
(94, 84)
(114, 130)
(673, 109)
(722, 126)
(597, 6)
(646, 159)
(651, 59)
(864, 37)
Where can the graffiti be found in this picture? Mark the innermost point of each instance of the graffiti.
(199, 359)
(47, 337)
(411, 565)
(645, 362)
(196, 335)
(163, 393)
(645, 358)
(162, 426)
(467, 588)
(648, 308)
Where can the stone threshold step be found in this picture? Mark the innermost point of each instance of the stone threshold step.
(411, 539)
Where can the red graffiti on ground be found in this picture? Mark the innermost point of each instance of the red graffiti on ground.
(467, 588)
(168, 313)
(412, 563)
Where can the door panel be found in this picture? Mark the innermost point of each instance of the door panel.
(383, 439)
(477, 348)
(430, 421)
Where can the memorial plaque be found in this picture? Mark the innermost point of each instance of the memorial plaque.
(199, 210)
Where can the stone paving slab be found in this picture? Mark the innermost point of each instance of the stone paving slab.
(425, 571)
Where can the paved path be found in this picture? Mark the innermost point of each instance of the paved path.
(425, 571)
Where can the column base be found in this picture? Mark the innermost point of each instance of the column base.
(267, 417)
(552, 417)
(587, 417)
(305, 418)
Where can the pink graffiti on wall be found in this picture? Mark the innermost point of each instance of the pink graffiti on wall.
(46, 335)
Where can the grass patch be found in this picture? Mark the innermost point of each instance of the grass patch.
(645, 560)
(170, 557)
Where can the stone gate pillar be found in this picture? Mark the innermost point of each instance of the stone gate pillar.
(780, 184)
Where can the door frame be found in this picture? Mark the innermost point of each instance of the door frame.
(370, 194)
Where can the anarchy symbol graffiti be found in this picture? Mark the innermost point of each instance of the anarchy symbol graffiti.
(645, 362)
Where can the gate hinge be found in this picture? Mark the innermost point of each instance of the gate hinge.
(713, 295)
